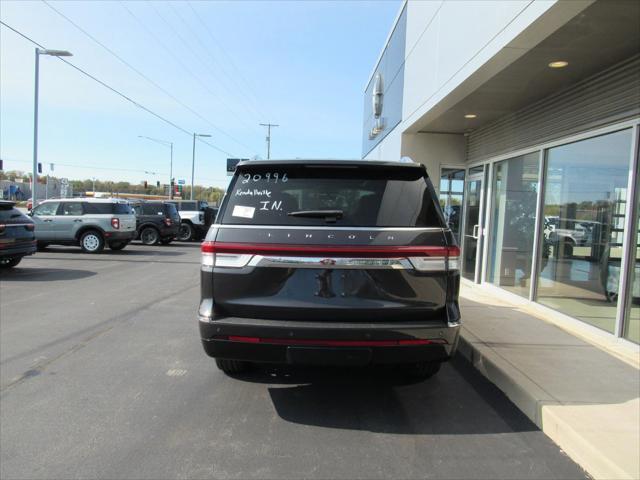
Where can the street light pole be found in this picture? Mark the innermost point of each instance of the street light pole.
(34, 176)
(193, 159)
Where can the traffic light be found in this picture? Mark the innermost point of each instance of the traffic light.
(39, 167)
(0, 165)
(158, 183)
(145, 184)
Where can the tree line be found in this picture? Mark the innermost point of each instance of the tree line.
(210, 194)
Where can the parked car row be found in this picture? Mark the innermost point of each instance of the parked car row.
(95, 223)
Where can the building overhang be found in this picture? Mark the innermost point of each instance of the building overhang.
(589, 36)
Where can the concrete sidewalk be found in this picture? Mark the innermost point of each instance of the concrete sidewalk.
(583, 393)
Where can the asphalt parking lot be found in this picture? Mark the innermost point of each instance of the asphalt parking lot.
(103, 376)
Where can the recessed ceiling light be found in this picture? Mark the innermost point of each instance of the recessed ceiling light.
(470, 115)
(558, 64)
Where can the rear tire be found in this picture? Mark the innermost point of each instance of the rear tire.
(149, 236)
(9, 262)
(422, 370)
(117, 245)
(185, 233)
(92, 241)
(231, 367)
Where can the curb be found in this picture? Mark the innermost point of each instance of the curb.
(539, 406)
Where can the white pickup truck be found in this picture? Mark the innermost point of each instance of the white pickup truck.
(195, 218)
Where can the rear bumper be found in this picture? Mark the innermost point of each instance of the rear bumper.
(313, 343)
(170, 232)
(126, 236)
(21, 249)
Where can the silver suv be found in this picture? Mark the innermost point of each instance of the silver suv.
(90, 223)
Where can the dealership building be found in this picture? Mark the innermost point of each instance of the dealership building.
(526, 115)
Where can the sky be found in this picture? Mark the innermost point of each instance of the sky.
(217, 68)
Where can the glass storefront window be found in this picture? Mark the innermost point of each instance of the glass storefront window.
(514, 198)
(582, 241)
(632, 321)
(451, 196)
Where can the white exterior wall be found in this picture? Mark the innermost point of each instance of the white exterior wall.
(434, 150)
(389, 148)
(455, 45)
(450, 40)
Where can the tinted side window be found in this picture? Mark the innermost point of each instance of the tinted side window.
(121, 208)
(394, 197)
(188, 206)
(9, 213)
(170, 209)
(98, 208)
(71, 208)
(152, 209)
(46, 209)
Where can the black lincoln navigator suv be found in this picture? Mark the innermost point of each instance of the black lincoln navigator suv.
(330, 263)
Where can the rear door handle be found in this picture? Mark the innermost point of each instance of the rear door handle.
(77, 220)
(49, 220)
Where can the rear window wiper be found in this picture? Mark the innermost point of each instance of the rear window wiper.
(328, 215)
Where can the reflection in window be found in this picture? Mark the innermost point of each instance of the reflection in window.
(451, 195)
(632, 322)
(584, 205)
(515, 192)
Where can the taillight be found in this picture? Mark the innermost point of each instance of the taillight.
(115, 223)
(30, 226)
(423, 258)
(212, 257)
(167, 222)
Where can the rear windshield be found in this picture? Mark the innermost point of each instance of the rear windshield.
(107, 208)
(349, 197)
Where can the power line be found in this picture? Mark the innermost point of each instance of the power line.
(217, 64)
(199, 59)
(141, 74)
(117, 92)
(93, 167)
(229, 59)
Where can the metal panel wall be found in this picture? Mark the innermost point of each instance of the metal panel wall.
(391, 68)
(607, 97)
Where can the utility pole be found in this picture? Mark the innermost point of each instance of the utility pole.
(193, 158)
(269, 125)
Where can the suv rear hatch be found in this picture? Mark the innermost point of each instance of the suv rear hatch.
(126, 219)
(330, 242)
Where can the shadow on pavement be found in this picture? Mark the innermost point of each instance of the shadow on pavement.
(156, 251)
(19, 274)
(383, 401)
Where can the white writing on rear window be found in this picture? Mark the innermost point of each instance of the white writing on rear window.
(274, 177)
